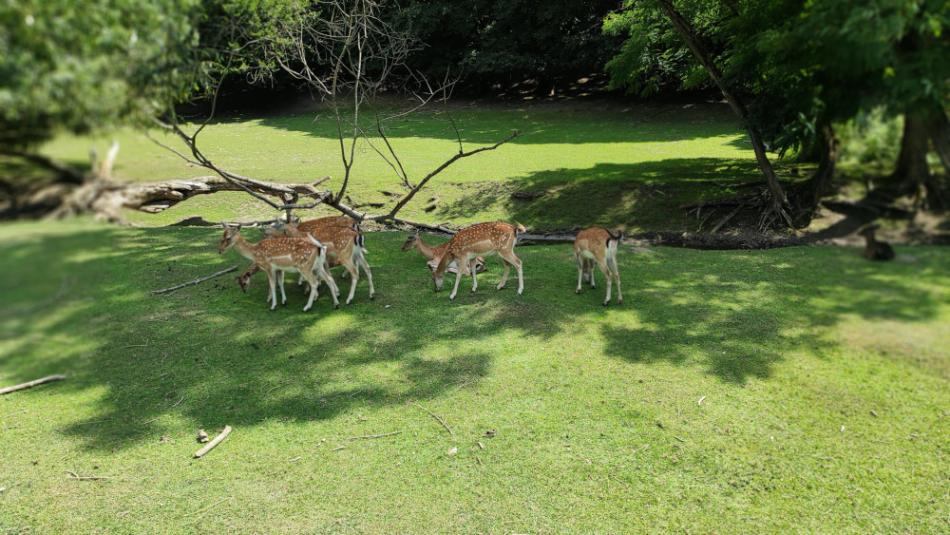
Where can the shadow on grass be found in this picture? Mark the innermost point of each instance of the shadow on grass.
(645, 195)
(217, 356)
(542, 124)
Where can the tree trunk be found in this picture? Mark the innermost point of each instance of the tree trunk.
(700, 50)
(912, 174)
(827, 161)
(939, 127)
(912, 171)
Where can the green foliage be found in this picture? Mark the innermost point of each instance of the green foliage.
(870, 138)
(799, 64)
(823, 380)
(94, 65)
(85, 66)
(501, 40)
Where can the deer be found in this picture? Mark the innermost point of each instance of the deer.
(278, 255)
(345, 247)
(874, 249)
(434, 254)
(480, 239)
(598, 245)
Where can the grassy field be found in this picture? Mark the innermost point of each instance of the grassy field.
(595, 162)
(791, 390)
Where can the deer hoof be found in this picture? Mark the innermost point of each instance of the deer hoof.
(577, 291)
(606, 303)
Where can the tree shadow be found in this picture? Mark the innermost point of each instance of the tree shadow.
(216, 356)
(639, 195)
(739, 321)
(606, 122)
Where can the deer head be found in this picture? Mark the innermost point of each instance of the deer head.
(229, 237)
(410, 241)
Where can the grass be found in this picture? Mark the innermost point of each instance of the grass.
(824, 380)
(595, 162)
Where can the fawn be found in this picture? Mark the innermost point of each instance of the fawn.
(480, 239)
(598, 245)
(277, 255)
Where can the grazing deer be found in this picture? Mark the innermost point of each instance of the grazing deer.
(277, 255)
(873, 249)
(480, 239)
(433, 255)
(344, 248)
(598, 245)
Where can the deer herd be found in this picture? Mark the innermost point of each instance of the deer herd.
(312, 248)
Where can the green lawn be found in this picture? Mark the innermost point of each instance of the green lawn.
(595, 162)
(824, 381)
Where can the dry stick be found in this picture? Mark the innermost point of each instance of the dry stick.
(726, 219)
(31, 384)
(217, 440)
(73, 475)
(194, 282)
(437, 417)
(368, 437)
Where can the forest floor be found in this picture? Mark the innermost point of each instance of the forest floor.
(795, 389)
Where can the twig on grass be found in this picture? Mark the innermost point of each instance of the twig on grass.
(206, 508)
(73, 475)
(437, 417)
(31, 384)
(199, 280)
(370, 437)
(214, 442)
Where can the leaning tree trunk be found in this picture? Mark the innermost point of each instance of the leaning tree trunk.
(700, 50)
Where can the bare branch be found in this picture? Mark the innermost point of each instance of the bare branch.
(458, 156)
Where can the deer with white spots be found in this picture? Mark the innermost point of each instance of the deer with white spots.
(598, 245)
(481, 239)
(345, 247)
(275, 256)
(433, 255)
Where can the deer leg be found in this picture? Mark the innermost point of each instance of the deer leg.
(455, 288)
(271, 281)
(612, 262)
(504, 275)
(510, 257)
(313, 288)
(354, 277)
(606, 271)
(280, 282)
(324, 275)
(470, 266)
(589, 267)
(369, 275)
(580, 271)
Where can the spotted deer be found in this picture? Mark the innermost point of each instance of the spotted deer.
(345, 247)
(277, 255)
(480, 239)
(433, 255)
(598, 245)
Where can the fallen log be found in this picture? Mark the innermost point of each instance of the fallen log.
(214, 442)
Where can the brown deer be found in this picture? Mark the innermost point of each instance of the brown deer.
(598, 245)
(433, 255)
(277, 255)
(874, 249)
(345, 247)
(480, 239)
